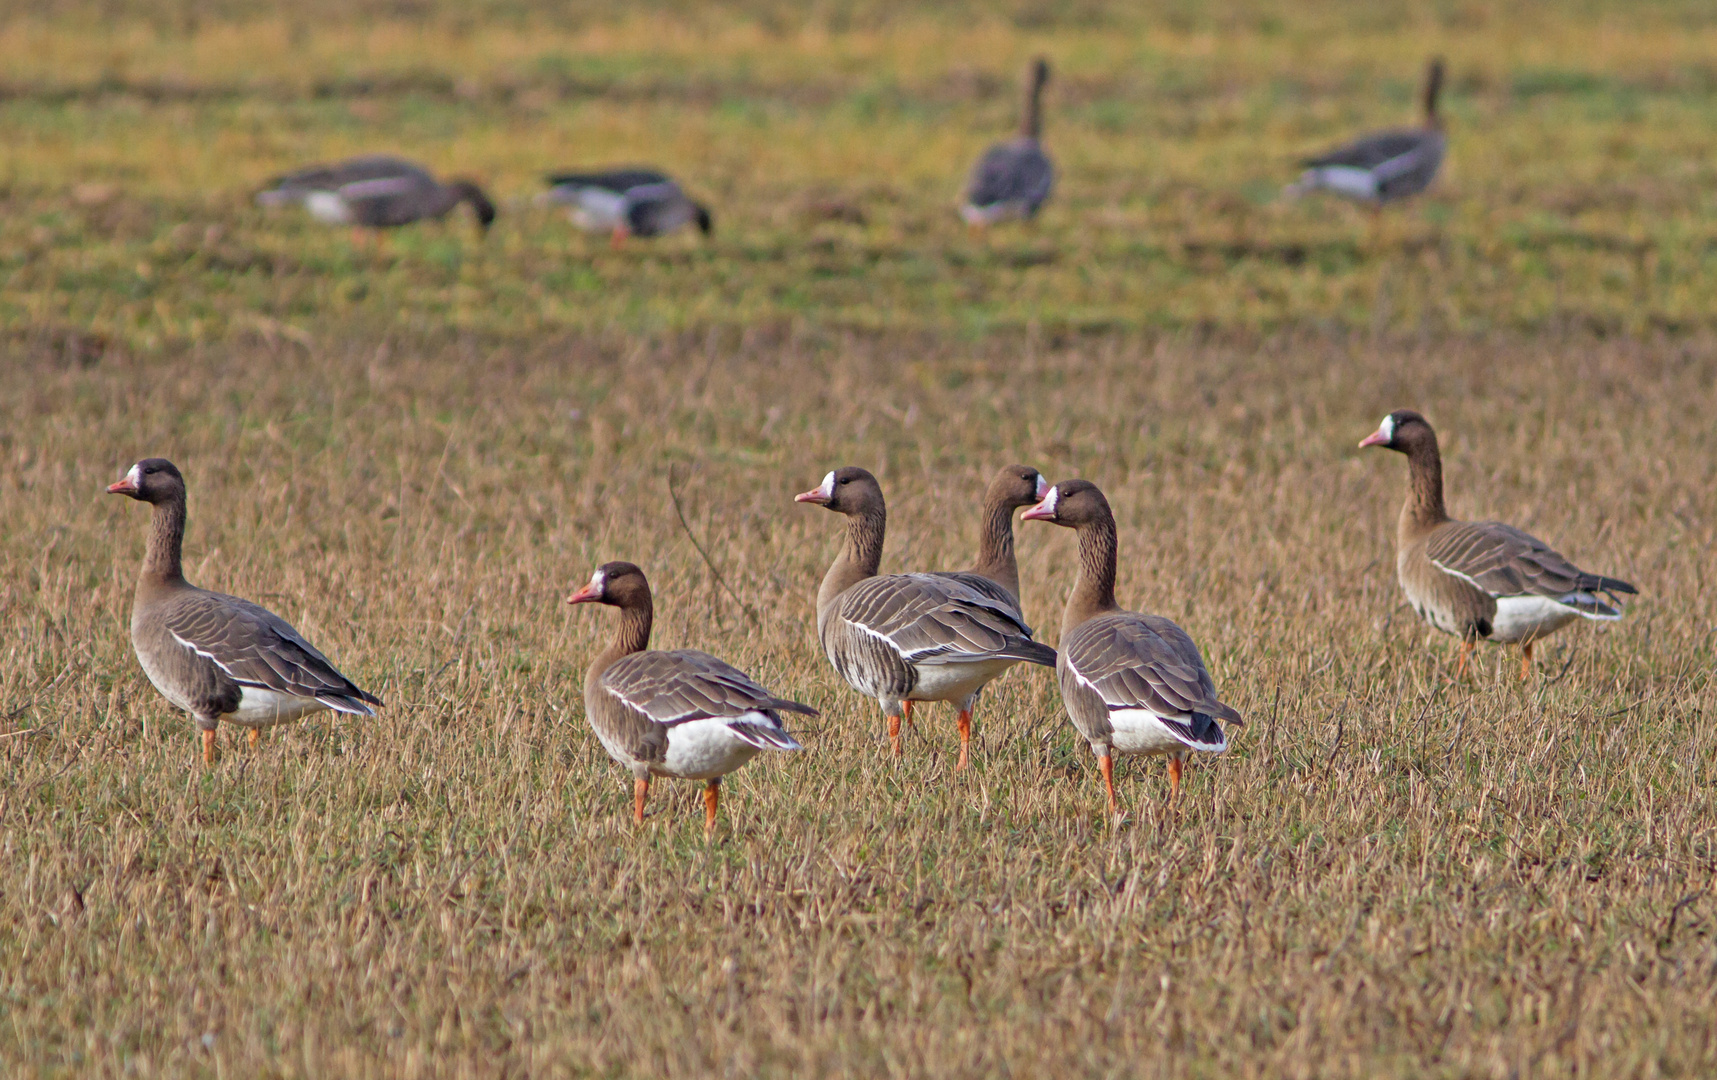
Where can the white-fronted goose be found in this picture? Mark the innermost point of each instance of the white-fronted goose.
(377, 192)
(1013, 178)
(682, 713)
(901, 637)
(1386, 165)
(1481, 579)
(627, 202)
(1132, 683)
(215, 656)
(996, 573)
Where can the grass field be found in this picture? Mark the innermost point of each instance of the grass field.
(414, 455)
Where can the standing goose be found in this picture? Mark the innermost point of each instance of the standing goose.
(909, 637)
(215, 656)
(1481, 579)
(627, 202)
(1386, 165)
(1132, 683)
(681, 713)
(377, 192)
(996, 574)
(1013, 178)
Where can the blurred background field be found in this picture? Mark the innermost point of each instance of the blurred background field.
(1580, 188)
(413, 453)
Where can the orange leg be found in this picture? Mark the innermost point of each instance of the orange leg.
(965, 738)
(1525, 660)
(1174, 778)
(906, 711)
(894, 734)
(1107, 764)
(1466, 653)
(617, 238)
(640, 792)
(711, 799)
(208, 747)
(255, 737)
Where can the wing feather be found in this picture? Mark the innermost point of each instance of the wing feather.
(255, 647)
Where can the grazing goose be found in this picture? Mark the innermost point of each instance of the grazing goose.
(909, 637)
(1013, 178)
(1481, 579)
(1386, 165)
(377, 192)
(627, 202)
(1132, 683)
(218, 657)
(681, 713)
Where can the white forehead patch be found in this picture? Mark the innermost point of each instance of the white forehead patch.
(1051, 499)
(598, 580)
(827, 490)
(1387, 428)
(1042, 487)
(135, 476)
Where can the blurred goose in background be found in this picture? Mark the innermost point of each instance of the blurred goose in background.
(682, 713)
(1387, 165)
(1132, 683)
(1013, 178)
(215, 656)
(1481, 579)
(627, 202)
(376, 192)
(909, 637)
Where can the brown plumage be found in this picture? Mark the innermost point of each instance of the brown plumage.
(215, 656)
(680, 713)
(1481, 579)
(1132, 683)
(909, 637)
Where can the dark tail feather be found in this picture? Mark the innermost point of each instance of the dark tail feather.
(764, 737)
(1599, 583)
(1034, 652)
(793, 706)
(1201, 732)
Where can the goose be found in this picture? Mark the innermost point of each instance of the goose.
(1013, 178)
(1131, 683)
(1385, 165)
(681, 713)
(996, 573)
(376, 191)
(909, 637)
(1481, 579)
(215, 656)
(627, 202)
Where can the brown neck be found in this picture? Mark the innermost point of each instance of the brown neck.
(1423, 510)
(161, 563)
(631, 634)
(996, 559)
(857, 561)
(1094, 590)
(1031, 123)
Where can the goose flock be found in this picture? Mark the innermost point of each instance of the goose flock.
(1011, 181)
(1132, 683)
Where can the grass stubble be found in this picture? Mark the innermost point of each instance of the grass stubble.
(1389, 873)
(413, 454)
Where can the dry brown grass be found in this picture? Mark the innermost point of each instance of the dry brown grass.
(1389, 874)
